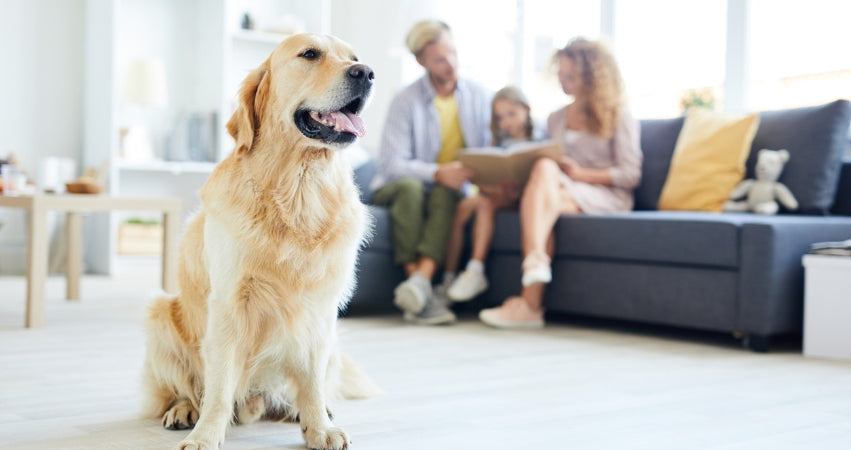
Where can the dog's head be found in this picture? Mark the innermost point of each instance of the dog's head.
(311, 87)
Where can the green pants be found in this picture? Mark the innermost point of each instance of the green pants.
(422, 220)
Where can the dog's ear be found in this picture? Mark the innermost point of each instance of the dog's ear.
(253, 96)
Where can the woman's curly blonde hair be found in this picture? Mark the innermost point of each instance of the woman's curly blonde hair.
(599, 93)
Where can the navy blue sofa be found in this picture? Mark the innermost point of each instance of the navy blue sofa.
(724, 272)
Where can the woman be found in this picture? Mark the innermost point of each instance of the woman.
(600, 168)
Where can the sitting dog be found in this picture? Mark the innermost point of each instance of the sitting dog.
(269, 259)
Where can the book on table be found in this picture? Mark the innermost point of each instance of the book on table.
(494, 165)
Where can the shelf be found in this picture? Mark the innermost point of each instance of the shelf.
(173, 167)
(261, 37)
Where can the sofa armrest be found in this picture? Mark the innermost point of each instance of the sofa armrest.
(842, 201)
(771, 280)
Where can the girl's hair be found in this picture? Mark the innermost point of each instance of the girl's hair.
(513, 95)
(599, 86)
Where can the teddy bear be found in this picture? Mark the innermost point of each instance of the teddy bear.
(761, 195)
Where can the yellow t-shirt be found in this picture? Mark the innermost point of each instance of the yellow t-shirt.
(452, 141)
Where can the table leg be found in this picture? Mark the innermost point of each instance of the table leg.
(171, 233)
(73, 264)
(36, 266)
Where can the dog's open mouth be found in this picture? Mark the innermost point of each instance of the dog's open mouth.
(339, 127)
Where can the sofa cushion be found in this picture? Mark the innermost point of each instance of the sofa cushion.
(667, 237)
(664, 237)
(363, 175)
(658, 139)
(708, 161)
(815, 137)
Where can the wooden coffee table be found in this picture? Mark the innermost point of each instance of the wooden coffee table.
(74, 205)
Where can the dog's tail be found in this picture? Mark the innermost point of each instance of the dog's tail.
(347, 380)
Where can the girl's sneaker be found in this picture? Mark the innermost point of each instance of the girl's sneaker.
(468, 285)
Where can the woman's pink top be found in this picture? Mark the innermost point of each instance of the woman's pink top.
(620, 154)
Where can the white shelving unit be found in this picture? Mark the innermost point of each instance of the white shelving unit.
(244, 50)
(258, 37)
(206, 56)
(172, 167)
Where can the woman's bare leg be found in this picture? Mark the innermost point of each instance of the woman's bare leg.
(543, 200)
(534, 294)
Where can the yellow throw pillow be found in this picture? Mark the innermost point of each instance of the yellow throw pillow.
(709, 160)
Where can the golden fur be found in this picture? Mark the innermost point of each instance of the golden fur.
(264, 266)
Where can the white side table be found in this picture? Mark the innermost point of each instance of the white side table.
(74, 205)
(827, 306)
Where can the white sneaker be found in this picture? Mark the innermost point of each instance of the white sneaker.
(468, 285)
(412, 294)
(536, 269)
(537, 275)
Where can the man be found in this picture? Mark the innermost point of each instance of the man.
(419, 177)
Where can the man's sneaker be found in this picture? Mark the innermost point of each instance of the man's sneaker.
(468, 285)
(412, 294)
(513, 313)
(435, 312)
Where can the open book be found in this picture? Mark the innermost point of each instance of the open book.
(494, 165)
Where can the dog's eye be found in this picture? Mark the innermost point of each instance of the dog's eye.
(309, 54)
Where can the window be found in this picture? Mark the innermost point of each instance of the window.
(483, 33)
(548, 26)
(483, 36)
(504, 42)
(798, 53)
(669, 50)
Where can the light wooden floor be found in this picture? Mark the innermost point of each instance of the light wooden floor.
(75, 384)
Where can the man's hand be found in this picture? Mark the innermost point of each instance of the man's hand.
(453, 174)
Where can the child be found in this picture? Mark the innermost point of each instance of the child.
(511, 123)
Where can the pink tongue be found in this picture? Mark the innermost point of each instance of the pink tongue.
(349, 122)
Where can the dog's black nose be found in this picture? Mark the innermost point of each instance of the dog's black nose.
(362, 73)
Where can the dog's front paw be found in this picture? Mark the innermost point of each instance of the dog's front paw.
(326, 439)
(180, 416)
(191, 444)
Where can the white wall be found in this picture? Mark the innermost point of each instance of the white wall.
(41, 98)
(41, 81)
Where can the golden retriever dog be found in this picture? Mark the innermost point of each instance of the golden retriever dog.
(269, 259)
